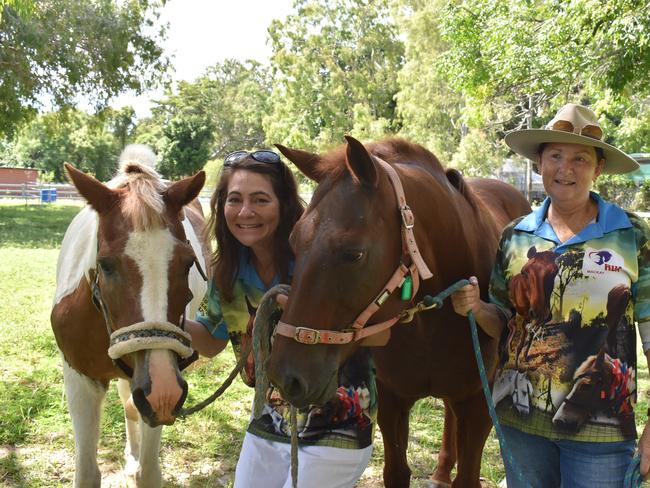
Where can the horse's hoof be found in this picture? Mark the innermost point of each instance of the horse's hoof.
(435, 484)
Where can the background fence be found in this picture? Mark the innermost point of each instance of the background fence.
(38, 192)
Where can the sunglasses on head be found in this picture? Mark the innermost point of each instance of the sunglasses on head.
(264, 156)
(592, 131)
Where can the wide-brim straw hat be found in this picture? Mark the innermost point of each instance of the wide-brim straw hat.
(574, 124)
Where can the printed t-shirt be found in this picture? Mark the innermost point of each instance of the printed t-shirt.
(567, 366)
(346, 421)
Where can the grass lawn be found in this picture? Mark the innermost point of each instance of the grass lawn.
(36, 443)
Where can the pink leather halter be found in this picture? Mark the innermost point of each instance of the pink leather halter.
(418, 268)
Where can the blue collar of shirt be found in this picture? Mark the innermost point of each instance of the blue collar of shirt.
(248, 274)
(610, 218)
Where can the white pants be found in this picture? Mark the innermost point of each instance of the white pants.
(267, 464)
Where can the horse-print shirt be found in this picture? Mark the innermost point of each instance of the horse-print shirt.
(346, 421)
(567, 367)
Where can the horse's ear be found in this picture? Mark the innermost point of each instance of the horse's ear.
(308, 163)
(98, 195)
(600, 359)
(532, 252)
(184, 191)
(252, 311)
(360, 163)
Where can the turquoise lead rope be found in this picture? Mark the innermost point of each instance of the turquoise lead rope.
(505, 451)
(633, 478)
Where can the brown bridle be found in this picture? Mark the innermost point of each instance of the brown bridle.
(416, 269)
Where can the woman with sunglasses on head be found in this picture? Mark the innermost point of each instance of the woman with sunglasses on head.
(254, 208)
(569, 283)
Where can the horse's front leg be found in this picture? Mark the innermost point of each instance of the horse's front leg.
(85, 397)
(393, 419)
(131, 420)
(474, 425)
(441, 476)
(149, 474)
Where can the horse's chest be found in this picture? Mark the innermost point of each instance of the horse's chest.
(431, 358)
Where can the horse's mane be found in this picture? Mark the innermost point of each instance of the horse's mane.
(142, 202)
(397, 150)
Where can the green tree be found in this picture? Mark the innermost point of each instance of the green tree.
(219, 112)
(239, 101)
(431, 111)
(477, 156)
(71, 136)
(121, 123)
(56, 50)
(509, 53)
(186, 146)
(333, 60)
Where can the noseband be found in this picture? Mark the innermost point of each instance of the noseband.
(415, 268)
(145, 335)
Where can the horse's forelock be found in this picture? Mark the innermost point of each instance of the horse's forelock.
(142, 201)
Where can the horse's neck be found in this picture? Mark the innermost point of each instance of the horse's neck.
(447, 225)
(78, 252)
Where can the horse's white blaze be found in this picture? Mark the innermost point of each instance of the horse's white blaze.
(152, 251)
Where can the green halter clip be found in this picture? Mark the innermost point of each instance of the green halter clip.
(407, 289)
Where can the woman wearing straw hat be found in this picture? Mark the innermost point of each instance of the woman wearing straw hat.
(569, 283)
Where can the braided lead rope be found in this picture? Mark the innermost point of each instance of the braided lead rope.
(184, 412)
(261, 352)
(633, 478)
(294, 446)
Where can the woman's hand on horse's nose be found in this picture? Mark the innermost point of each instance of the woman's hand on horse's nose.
(466, 298)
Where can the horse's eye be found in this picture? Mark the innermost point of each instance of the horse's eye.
(107, 266)
(353, 255)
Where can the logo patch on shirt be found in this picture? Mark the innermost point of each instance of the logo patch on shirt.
(600, 261)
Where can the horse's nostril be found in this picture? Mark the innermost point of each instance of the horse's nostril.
(143, 406)
(181, 400)
(295, 389)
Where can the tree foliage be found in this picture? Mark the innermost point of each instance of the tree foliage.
(505, 51)
(218, 113)
(239, 95)
(57, 50)
(429, 109)
(71, 136)
(335, 66)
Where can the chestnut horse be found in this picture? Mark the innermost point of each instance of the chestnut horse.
(124, 266)
(348, 244)
(601, 385)
(530, 293)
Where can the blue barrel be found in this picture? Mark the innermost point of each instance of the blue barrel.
(48, 195)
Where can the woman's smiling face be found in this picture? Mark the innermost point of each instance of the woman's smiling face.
(252, 209)
(568, 171)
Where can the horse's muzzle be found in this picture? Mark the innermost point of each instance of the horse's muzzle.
(157, 387)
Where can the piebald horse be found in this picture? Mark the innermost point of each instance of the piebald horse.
(353, 246)
(127, 274)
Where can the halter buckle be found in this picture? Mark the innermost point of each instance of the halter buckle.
(305, 335)
(407, 217)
